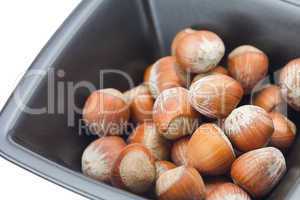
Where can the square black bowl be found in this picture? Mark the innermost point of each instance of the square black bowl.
(128, 35)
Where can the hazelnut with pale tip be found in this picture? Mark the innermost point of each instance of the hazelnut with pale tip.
(200, 52)
(134, 169)
(173, 116)
(248, 65)
(216, 95)
(289, 81)
(140, 102)
(210, 151)
(106, 112)
(180, 183)
(259, 171)
(284, 131)
(249, 127)
(165, 74)
(228, 191)
(99, 156)
(269, 98)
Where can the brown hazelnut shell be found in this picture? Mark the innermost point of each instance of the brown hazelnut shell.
(249, 127)
(99, 156)
(179, 151)
(216, 95)
(209, 150)
(141, 103)
(199, 52)
(148, 135)
(173, 115)
(258, 171)
(289, 81)
(228, 191)
(180, 183)
(269, 98)
(165, 74)
(106, 112)
(284, 131)
(248, 65)
(178, 37)
(134, 170)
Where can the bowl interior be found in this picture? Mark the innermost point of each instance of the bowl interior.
(130, 35)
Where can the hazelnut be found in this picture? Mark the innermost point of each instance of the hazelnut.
(134, 169)
(141, 103)
(200, 52)
(99, 156)
(215, 96)
(212, 183)
(178, 37)
(284, 131)
(258, 171)
(147, 74)
(180, 183)
(209, 150)
(106, 112)
(148, 135)
(162, 167)
(228, 191)
(249, 127)
(173, 115)
(269, 98)
(217, 70)
(289, 81)
(179, 151)
(248, 65)
(165, 74)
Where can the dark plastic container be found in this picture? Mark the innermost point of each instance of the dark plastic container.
(128, 35)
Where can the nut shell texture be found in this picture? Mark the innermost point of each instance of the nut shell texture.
(173, 115)
(99, 156)
(248, 65)
(106, 112)
(210, 151)
(178, 37)
(148, 135)
(258, 171)
(228, 191)
(165, 74)
(290, 83)
(269, 98)
(249, 127)
(180, 183)
(179, 151)
(200, 52)
(141, 103)
(134, 170)
(211, 183)
(284, 131)
(216, 95)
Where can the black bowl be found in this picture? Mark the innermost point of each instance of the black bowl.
(127, 36)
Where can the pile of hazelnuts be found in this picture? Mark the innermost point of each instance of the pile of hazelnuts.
(195, 140)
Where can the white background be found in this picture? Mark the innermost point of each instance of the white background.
(25, 28)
